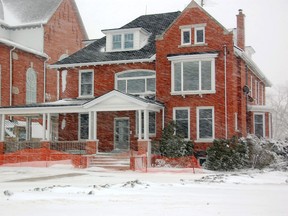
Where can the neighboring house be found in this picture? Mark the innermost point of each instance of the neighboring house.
(34, 34)
(119, 92)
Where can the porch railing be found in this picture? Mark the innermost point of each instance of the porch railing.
(71, 147)
(11, 147)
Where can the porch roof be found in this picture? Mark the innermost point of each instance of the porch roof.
(111, 101)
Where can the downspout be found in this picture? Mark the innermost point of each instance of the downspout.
(11, 74)
(44, 84)
(225, 75)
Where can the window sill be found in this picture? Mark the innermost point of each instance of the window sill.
(204, 140)
(192, 45)
(193, 93)
(86, 97)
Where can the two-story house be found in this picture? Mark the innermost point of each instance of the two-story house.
(119, 92)
(34, 34)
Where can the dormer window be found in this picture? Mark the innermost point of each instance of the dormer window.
(118, 40)
(128, 41)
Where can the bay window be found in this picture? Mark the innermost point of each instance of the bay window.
(193, 75)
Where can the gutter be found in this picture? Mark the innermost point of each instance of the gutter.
(11, 76)
(73, 65)
(225, 74)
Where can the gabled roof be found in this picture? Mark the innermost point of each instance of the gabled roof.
(23, 12)
(93, 54)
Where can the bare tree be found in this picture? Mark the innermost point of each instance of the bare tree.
(278, 100)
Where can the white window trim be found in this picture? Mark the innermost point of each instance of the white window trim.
(79, 126)
(264, 126)
(213, 125)
(123, 42)
(195, 35)
(116, 78)
(190, 58)
(236, 121)
(174, 118)
(79, 84)
(182, 36)
(251, 90)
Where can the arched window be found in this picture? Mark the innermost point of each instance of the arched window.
(141, 82)
(31, 86)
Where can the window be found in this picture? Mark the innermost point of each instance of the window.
(136, 82)
(123, 41)
(193, 76)
(205, 123)
(117, 42)
(31, 86)
(83, 126)
(86, 81)
(259, 125)
(181, 117)
(152, 123)
(199, 35)
(186, 36)
(129, 41)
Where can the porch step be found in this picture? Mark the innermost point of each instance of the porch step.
(115, 161)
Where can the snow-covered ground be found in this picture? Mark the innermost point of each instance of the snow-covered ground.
(63, 190)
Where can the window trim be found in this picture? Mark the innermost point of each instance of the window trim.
(32, 91)
(190, 58)
(264, 125)
(116, 78)
(79, 126)
(80, 82)
(189, 119)
(122, 35)
(199, 139)
(195, 35)
(182, 36)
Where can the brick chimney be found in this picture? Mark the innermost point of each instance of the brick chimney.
(241, 29)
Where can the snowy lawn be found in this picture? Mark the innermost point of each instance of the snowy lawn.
(63, 190)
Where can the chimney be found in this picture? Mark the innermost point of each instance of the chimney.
(241, 29)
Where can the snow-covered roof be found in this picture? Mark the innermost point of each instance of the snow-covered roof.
(253, 66)
(27, 12)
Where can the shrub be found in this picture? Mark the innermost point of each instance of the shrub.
(173, 145)
(227, 154)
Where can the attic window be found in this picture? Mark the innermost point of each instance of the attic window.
(123, 41)
(199, 35)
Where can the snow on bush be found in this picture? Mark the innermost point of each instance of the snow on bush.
(251, 152)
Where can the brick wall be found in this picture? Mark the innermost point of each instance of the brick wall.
(63, 35)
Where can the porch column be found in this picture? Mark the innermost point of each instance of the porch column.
(28, 128)
(44, 127)
(2, 124)
(139, 124)
(95, 125)
(49, 126)
(91, 125)
(146, 125)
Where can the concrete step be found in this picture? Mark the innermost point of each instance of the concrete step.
(116, 161)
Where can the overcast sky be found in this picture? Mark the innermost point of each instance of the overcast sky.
(266, 24)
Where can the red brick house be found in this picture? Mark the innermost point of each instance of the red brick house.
(31, 37)
(119, 92)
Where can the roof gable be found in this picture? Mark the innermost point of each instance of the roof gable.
(117, 101)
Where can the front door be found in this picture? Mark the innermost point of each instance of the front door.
(121, 134)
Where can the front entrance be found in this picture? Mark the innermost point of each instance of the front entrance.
(121, 134)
